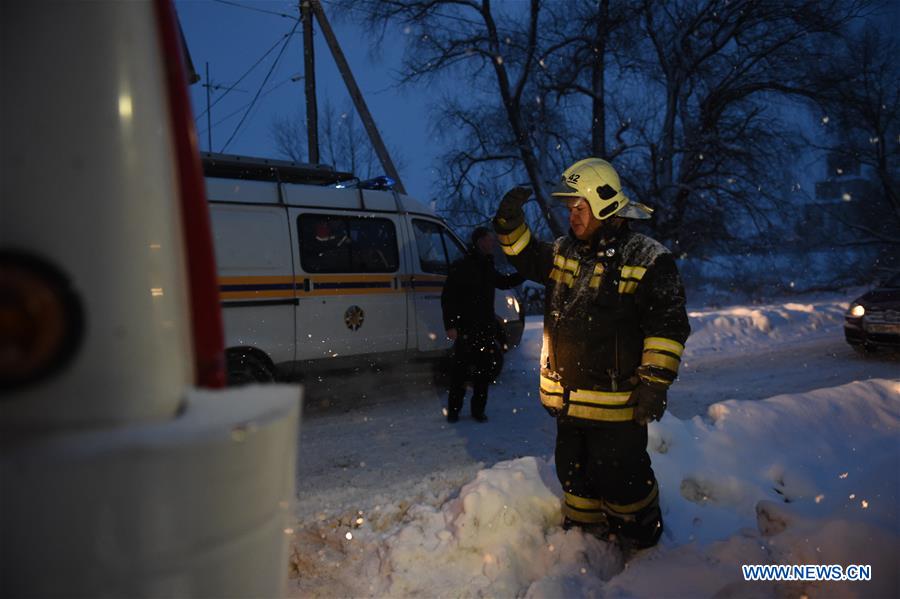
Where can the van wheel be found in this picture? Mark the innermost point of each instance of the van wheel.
(245, 368)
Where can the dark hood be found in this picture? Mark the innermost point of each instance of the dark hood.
(885, 297)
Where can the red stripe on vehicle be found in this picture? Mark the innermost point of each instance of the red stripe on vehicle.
(206, 313)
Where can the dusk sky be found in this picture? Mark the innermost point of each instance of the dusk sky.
(232, 39)
(232, 35)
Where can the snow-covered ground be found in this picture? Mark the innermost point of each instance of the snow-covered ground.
(393, 501)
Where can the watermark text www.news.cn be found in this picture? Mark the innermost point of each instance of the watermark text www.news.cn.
(807, 572)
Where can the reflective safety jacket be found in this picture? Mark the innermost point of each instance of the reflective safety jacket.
(614, 314)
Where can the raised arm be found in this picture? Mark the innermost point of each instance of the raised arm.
(531, 257)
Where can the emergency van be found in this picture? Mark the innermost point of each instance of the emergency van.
(319, 270)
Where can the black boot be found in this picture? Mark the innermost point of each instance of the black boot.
(641, 533)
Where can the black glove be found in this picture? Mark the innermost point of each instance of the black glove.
(552, 411)
(509, 212)
(649, 401)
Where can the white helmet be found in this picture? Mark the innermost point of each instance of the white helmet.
(597, 181)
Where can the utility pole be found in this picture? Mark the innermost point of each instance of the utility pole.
(208, 115)
(355, 94)
(309, 73)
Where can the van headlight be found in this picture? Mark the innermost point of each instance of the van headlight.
(857, 311)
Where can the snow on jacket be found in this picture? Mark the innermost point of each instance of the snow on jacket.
(614, 309)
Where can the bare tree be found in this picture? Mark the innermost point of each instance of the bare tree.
(342, 139)
(585, 39)
(473, 38)
(861, 100)
(720, 66)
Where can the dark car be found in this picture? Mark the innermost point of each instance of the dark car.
(873, 320)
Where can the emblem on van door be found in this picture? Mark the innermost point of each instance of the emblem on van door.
(354, 317)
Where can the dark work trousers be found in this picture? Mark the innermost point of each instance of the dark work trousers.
(606, 468)
(473, 359)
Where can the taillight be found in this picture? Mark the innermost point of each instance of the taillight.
(41, 319)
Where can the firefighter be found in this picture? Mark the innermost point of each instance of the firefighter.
(468, 306)
(614, 330)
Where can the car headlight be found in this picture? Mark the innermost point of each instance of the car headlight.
(513, 303)
(857, 311)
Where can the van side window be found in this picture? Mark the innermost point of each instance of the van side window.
(437, 248)
(343, 244)
(455, 250)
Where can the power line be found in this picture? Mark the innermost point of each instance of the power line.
(234, 113)
(256, 8)
(247, 72)
(259, 91)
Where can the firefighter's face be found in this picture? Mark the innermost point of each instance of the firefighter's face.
(582, 221)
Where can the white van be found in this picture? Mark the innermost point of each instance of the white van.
(315, 271)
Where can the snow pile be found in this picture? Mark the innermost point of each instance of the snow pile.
(796, 479)
(755, 328)
(501, 534)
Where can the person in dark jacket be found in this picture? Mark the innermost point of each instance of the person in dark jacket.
(469, 319)
(615, 325)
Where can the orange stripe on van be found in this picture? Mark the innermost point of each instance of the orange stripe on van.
(255, 280)
(234, 295)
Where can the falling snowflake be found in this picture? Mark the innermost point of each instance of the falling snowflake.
(825, 120)
(846, 197)
(349, 536)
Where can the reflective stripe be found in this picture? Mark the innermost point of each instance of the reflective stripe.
(561, 276)
(551, 393)
(610, 398)
(597, 413)
(571, 265)
(550, 385)
(627, 286)
(551, 400)
(630, 508)
(663, 344)
(583, 517)
(583, 503)
(597, 277)
(655, 379)
(652, 358)
(513, 236)
(630, 275)
(633, 272)
(518, 246)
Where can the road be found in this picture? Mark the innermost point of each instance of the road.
(384, 434)
(797, 367)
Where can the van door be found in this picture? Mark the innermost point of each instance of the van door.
(350, 297)
(256, 275)
(436, 249)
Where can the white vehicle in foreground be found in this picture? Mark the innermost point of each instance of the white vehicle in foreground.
(121, 476)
